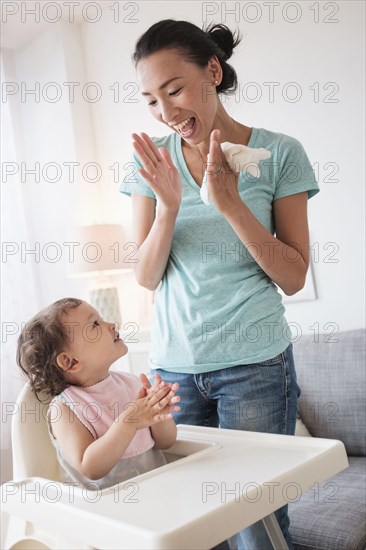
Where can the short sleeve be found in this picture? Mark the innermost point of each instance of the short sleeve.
(133, 182)
(295, 173)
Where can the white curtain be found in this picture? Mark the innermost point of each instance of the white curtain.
(18, 292)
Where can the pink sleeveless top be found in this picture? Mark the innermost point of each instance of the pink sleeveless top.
(97, 407)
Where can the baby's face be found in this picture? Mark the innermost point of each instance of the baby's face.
(94, 343)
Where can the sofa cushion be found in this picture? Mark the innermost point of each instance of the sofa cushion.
(331, 375)
(332, 514)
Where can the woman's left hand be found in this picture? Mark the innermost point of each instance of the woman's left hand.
(223, 185)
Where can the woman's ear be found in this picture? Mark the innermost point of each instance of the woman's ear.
(67, 363)
(215, 69)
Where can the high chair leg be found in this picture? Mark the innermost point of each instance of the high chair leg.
(274, 532)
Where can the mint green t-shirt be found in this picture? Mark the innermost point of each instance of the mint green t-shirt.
(215, 307)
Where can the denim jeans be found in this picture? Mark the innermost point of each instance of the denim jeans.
(260, 397)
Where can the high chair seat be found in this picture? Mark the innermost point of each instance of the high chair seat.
(33, 452)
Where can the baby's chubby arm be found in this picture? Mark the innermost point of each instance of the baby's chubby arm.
(94, 458)
(164, 433)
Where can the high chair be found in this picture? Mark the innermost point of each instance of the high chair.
(216, 483)
(33, 456)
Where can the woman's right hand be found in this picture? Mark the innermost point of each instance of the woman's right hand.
(159, 171)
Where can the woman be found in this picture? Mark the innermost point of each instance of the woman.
(219, 328)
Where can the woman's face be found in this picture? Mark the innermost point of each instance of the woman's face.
(178, 91)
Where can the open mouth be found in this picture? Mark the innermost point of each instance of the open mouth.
(187, 127)
(116, 338)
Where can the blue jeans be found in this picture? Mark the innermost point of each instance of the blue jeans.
(260, 397)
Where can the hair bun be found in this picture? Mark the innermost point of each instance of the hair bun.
(224, 38)
(195, 44)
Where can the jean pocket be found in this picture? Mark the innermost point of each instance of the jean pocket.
(272, 361)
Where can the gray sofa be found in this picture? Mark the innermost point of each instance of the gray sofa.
(331, 375)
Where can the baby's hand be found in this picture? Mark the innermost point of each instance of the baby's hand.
(149, 409)
(146, 382)
(159, 383)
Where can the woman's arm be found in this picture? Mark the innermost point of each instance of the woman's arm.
(284, 258)
(153, 228)
(153, 235)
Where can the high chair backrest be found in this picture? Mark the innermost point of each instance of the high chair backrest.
(33, 452)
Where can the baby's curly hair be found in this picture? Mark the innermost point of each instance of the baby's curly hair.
(39, 343)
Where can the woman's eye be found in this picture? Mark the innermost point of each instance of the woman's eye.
(175, 92)
(153, 103)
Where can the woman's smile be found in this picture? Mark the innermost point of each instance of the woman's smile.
(186, 128)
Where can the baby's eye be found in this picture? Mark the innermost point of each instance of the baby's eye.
(96, 324)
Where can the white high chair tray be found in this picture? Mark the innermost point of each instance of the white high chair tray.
(229, 480)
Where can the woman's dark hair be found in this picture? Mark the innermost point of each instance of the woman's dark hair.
(197, 45)
(39, 343)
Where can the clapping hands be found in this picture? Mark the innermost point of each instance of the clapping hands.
(154, 403)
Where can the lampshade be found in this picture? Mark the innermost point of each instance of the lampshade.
(102, 248)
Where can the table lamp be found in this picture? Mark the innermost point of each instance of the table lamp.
(102, 250)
